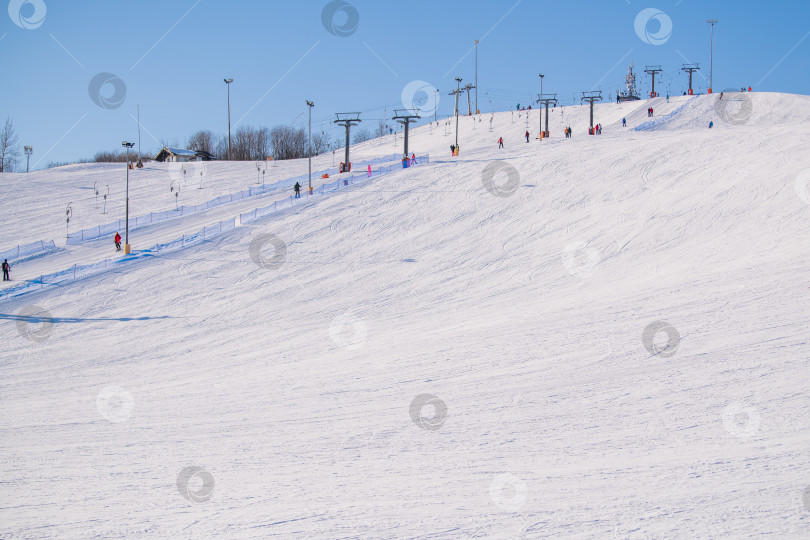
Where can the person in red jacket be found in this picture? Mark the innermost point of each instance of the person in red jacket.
(500, 142)
(527, 136)
(117, 242)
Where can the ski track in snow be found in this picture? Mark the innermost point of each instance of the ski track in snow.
(292, 386)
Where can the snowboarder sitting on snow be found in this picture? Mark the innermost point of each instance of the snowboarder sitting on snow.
(500, 142)
(6, 270)
(297, 188)
(117, 241)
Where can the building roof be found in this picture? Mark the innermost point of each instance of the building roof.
(181, 151)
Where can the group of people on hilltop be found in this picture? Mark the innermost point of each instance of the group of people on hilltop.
(519, 108)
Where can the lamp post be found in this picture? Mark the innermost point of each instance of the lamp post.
(28, 151)
(228, 84)
(711, 52)
(127, 145)
(477, 111)
(311, 104)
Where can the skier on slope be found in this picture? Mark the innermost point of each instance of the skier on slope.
(297, 188)
(117, 241)
(452, 149)
(527, 136)
(6, 270)
(624, 122)
(500, 142)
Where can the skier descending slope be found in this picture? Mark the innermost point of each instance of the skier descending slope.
(6, 270)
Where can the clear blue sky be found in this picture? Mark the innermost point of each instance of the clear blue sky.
(171, 58)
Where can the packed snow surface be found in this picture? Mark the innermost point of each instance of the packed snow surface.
(595, 337)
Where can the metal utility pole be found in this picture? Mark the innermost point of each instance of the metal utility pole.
(127, 145)
(228, 84)
(347, 120)
(405, 117)
(591, 97)
(469, 105)
(139, 132)
(711, 52)
(477, 110)
(457, 92)
(310, 104)
(546, 100)
(436, 107)
(652, 70)
(28, 151)
(690, 68)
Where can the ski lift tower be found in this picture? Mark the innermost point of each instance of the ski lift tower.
(652, 70)
(591, 97)
(468, 87)
(690, 68)
(630, 93)
(545, 99)
(347, 120)
(405, 117)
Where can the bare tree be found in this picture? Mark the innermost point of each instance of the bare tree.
(262, 145)
(167, 143)
(242, 143)
(202, 140)
(382, 128)
(9, 147)
(113, 156)
(362, 135)
(320, 143)
(288, 142)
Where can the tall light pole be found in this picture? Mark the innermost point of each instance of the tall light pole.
(128, 145)
(458, 93)
(310, 104)
(711, 52)
(541, 97)
(436, 107)
(228, 84)
(28, 151)
(477, 111)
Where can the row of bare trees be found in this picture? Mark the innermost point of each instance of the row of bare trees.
(9, 147)
(250, 143)
(247, 144)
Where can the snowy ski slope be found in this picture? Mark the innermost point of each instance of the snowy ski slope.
(419, 356)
